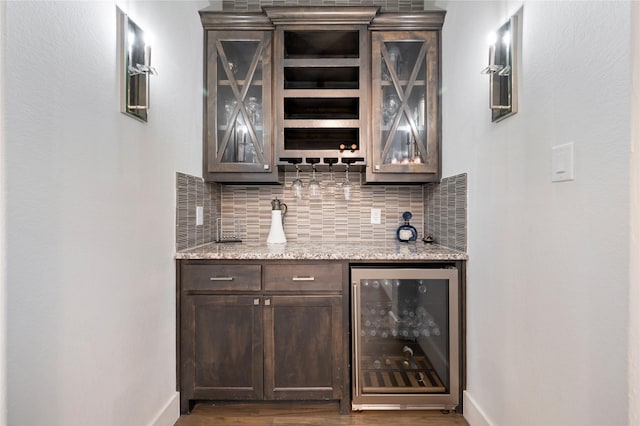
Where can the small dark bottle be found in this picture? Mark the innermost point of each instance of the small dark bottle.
(407, 232)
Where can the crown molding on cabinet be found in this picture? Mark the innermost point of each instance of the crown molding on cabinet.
(235, 21)
(426, 20)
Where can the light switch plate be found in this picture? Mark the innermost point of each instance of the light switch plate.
(199, 215)
(375, 216)
(562, 163)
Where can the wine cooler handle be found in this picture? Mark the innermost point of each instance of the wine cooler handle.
(356, 338)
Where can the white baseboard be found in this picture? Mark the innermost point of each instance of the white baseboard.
(170, 413)
(473, 414)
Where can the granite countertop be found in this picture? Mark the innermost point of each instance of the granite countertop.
(364, 250)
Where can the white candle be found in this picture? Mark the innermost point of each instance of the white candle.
(492, 49)
(506, 40)
(492, 54)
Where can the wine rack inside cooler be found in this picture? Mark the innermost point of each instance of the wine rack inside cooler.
(405, 338)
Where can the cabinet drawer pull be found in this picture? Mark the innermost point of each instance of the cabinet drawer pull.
(303, 278)
(221, 278)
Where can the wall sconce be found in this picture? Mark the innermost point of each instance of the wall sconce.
(135, 59)
(503, 97)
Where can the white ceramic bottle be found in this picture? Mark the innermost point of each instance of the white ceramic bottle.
(276, 233)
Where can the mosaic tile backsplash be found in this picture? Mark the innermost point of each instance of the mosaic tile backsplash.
(446, 211)
(386, 5)
(328, 218)
(192, 191)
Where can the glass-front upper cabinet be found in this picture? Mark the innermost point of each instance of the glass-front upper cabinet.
(237, 106)
(406, 106)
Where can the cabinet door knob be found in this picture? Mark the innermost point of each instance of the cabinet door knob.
(267, 302)
(256, 301)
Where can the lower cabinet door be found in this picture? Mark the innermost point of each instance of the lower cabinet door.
(222, 348)
(303, 350)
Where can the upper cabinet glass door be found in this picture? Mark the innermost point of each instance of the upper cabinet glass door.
(238, 110)
(405, 78)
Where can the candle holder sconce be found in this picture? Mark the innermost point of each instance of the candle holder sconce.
(502, 70)
(135, 68)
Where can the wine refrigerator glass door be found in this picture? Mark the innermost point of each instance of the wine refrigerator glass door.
(405, 338)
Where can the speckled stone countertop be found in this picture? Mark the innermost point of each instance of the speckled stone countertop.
(323, 251)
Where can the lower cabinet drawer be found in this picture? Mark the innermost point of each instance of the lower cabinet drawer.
(303, 276)
(221, 277)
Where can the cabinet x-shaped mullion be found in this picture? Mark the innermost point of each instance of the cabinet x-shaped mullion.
(240, 107)
(403, 95)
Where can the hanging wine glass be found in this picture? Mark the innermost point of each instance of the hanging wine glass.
(314, 185)
(347, 188)
(330, 186)
(297, 185)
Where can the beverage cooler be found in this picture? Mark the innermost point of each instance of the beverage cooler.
(405, 338)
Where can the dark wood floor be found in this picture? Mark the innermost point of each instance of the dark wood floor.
(311, 414)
